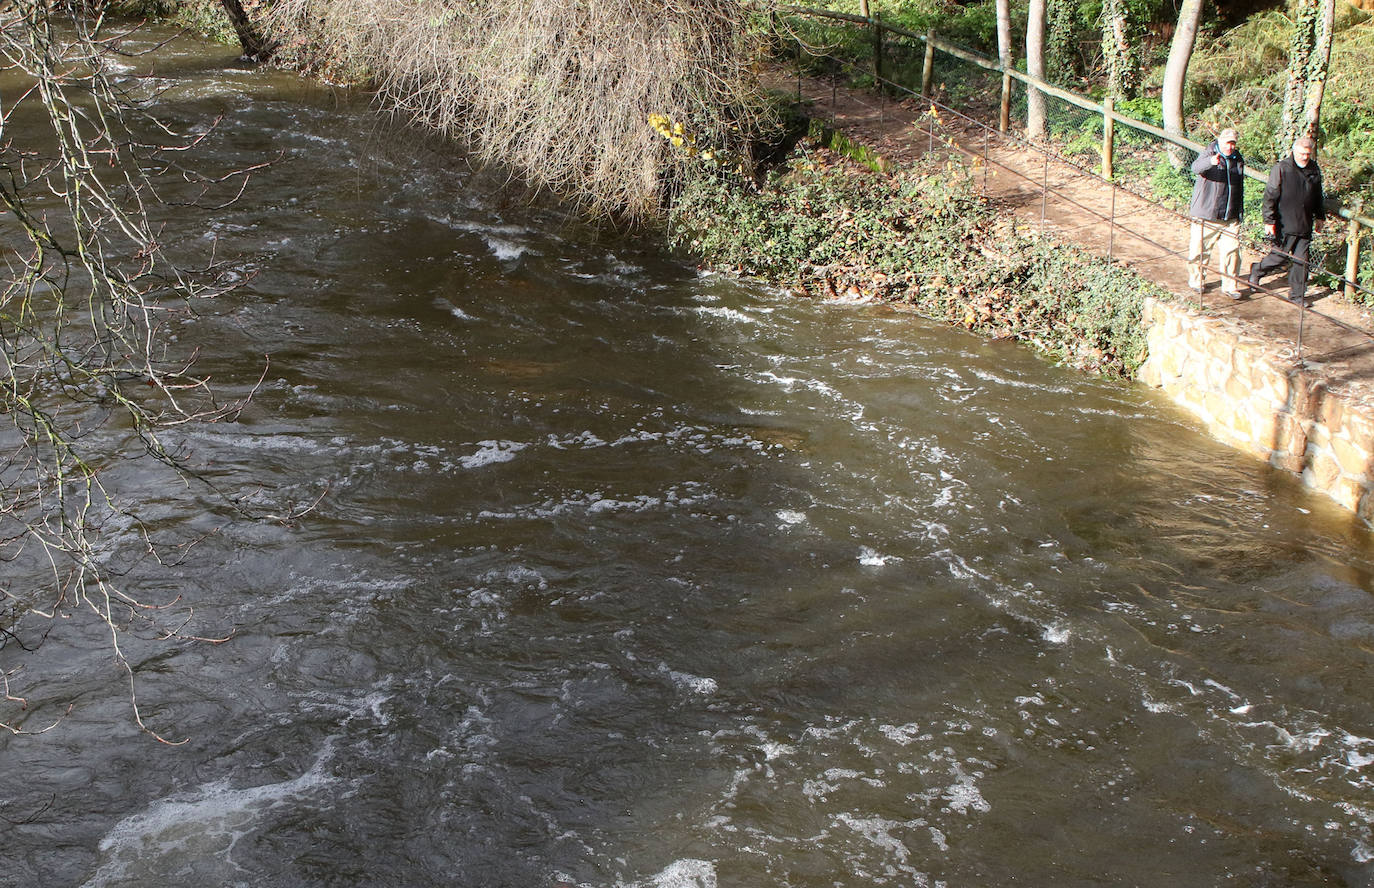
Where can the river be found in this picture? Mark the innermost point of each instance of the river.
(625, 575)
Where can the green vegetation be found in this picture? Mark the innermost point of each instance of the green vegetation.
(204, 17)
(824, 226)
(1236, 78)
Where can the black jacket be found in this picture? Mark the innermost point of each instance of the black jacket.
(1293, 198)
(1219, 192)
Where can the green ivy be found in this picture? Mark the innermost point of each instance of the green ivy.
(923, 236)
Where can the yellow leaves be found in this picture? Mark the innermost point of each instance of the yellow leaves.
(675, 132)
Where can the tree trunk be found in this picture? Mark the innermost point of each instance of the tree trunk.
(1309, 55)
(1035, 66)
(255, 45)
(1006, 59)
(1321, 63)
(1117, 52)
(1176, 73)
(1004, 51)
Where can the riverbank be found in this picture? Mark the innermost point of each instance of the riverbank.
(922, 237)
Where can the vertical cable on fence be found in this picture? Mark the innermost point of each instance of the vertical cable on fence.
(1352, 258)
(1111, 225)
(1044, 190)
(834, 85)
(1302, 315)
(986, 134)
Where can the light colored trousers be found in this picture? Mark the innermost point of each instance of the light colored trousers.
(1203, 235)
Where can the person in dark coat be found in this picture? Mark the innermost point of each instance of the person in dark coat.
(1218, 199)
(1293, 210)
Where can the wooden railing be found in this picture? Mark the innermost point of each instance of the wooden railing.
(1356, 223)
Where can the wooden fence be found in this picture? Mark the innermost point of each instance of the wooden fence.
(1356, 223)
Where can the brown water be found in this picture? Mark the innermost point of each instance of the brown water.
(627, 576)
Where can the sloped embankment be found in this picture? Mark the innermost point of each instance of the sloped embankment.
(923, 237)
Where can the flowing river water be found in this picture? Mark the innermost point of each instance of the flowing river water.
(628, 576)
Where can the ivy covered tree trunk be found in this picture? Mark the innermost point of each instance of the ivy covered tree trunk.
(1176, 73)
(254, 44)
(1061, 41)
(1035, 66)
(1118, 50)
(1309, 56)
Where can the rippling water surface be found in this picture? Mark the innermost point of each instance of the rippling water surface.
(626, 576)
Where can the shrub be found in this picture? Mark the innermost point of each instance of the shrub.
(925, 237)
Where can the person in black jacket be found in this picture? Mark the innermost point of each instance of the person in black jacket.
(1293, 209)
(1218, 198)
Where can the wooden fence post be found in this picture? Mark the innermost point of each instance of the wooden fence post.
(1108, 136)
(928, 69)
(1352, 259)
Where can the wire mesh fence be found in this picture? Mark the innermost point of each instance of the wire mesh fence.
(966, 98)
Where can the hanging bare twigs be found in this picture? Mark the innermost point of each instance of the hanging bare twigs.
(86, 378)
(561, 92)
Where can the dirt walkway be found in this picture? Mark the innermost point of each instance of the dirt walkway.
(1336, 340)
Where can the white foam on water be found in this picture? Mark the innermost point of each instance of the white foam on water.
(963, 795)
(580, 441)
(686, 873)
(503, 249)
(1353, 757)
(850, 299)
(688, 494)
(637, 504)
(692, 684)
(773, 750)
(789, 516)
(1157, 707)
(1221, 687)
(1300, 742)
(871, 558)
(817, 788)
(1057, 634)
(903, 735)
(958, 567)
(445, 305)
(878, 831)
(183, 833)
(726, 313)
(491, 452)
(791, 383)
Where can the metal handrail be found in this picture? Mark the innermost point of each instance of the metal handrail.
(1049, 89)
(1113, 223)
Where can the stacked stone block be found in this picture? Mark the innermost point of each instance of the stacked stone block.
(1251, 396)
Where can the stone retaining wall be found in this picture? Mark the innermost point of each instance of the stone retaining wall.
(1252, 397)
